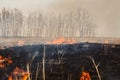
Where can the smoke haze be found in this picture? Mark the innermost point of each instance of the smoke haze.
(105, 12)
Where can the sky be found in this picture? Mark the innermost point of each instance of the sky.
(105, 12)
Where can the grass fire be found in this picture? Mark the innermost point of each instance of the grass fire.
(59, 40)
(61, 59)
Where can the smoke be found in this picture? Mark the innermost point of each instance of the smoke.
(31, 5)
(105, 12)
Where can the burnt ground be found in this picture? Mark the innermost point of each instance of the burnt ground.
(65, 61)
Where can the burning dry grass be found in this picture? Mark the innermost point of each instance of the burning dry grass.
(19, 74)
(85, 76)
(5, 61)
(62, 41)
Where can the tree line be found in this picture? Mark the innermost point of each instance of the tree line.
(78, 23)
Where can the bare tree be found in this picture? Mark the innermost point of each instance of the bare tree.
(73, 24)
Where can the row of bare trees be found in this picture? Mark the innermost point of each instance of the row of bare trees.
(73, 24)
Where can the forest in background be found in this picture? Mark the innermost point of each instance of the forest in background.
(78, 23)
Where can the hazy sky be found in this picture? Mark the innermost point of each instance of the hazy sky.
(105, 12)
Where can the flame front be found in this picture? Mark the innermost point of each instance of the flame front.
(19, 74)
(85, 76)
(62, 41)
(4, 61)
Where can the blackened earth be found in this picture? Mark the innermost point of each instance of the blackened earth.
(65, 61)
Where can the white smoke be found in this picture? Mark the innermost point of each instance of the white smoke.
(106, 12)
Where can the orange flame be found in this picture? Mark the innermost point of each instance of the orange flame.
(10, 78)
(62, 41)
(19, 72)
(85, 76)
(4, 61)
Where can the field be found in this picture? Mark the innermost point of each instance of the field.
(61, 61)
(14, 41)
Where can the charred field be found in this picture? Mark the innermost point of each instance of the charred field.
(63, 61)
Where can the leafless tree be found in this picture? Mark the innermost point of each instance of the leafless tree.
(73, 24)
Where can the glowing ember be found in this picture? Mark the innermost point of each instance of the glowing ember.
(4, 62)
(62, 41)
(19, 74)
(10, 78)
(85, 76)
